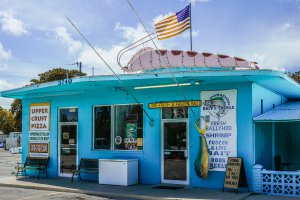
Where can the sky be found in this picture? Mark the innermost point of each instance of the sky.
(35, 35)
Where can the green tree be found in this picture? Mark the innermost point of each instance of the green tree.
(16, 110)
(7, 121)
(51, 75)
(295, 76)
(56, 74)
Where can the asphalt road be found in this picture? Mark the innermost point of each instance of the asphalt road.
(9, 193)
(8, 162)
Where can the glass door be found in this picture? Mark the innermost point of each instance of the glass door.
(175, 154)
(68, 135)
(68, 148)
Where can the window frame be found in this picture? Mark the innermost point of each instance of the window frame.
(113, 127)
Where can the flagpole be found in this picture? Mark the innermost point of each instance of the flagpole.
(191, 38)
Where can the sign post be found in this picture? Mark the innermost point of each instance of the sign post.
(235, 175)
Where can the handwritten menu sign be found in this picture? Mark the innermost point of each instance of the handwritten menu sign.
(235, 175)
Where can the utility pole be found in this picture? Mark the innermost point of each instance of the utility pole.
(79, 66)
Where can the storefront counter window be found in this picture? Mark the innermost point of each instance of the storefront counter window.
(102, 127)
(125, 130)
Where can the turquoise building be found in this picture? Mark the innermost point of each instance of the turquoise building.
(150, 119)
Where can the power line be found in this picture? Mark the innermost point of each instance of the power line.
(119, 80)
(166, 63)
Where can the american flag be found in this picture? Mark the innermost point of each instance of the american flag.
(174, 24)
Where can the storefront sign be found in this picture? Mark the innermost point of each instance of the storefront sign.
(219, 109)
(39, 126)
(39, 117)
(174, 104)
(39, 149)
(39, 136)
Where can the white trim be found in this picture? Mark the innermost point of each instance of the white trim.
(186, 121)
(59, 140)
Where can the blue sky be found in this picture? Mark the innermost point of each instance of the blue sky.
(35, 35)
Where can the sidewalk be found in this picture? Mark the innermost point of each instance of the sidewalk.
(109, 191)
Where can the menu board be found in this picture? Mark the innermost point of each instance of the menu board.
(235, 175)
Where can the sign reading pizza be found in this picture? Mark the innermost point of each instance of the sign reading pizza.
(39, 117)
(39, 130)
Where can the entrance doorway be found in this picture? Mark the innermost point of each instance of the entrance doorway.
(68, 134)
(175, 157)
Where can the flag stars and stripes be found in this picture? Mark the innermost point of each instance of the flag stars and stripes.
(183, 14)
(174, 24)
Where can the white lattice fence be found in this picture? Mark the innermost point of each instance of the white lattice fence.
(280, 182)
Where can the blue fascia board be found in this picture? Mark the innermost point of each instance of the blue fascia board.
(131, 80)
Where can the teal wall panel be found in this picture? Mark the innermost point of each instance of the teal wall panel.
(150, 156)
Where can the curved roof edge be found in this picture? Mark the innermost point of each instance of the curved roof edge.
(274, 80)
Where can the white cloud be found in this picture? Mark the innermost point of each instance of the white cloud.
(285, 27)
(12, 25)
(278, 53)
(4, 54)
(5, 102)
(4, 85)
(64, 37)
(130, 34)
(186, 34)
(161, 17)
(193, 2)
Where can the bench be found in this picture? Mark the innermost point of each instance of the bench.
(33, 163)
(86, 165)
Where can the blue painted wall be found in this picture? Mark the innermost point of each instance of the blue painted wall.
(264, 100)
(150, 157)
(268, 98)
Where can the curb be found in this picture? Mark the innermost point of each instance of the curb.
(87, 192)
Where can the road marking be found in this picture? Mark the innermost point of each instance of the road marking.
(53, 193)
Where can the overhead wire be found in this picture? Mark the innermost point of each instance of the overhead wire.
(107, 65)
(167, 65)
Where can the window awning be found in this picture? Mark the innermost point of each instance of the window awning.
(289, 111)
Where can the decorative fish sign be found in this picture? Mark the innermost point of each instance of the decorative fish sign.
(201, 162)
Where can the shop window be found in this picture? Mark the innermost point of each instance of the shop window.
(127, 123)
(128, 127)
(102, 127)
(68, 115)
(175, 113)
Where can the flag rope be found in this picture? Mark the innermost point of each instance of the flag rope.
(120, 81)
(166, 63)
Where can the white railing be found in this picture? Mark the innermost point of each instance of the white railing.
(276, 182)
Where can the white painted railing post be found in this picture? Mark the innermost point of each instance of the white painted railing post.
(257, 178)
